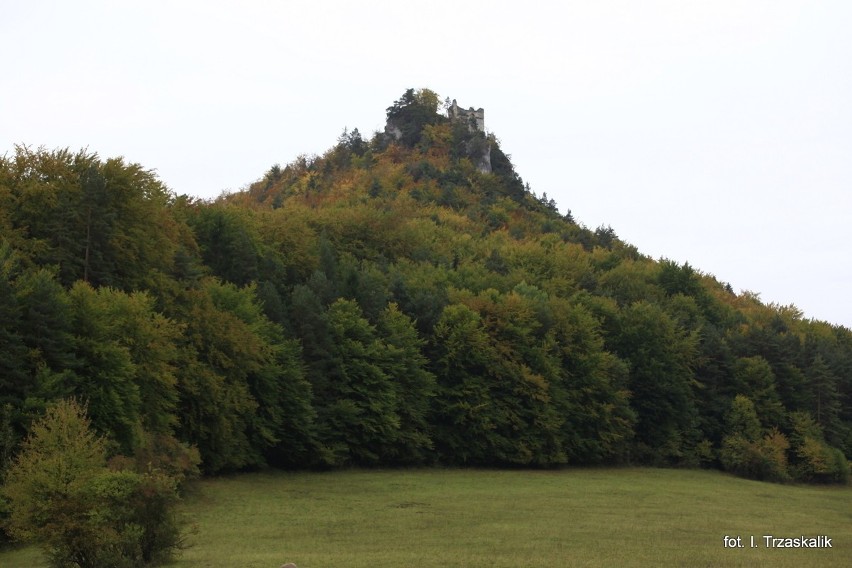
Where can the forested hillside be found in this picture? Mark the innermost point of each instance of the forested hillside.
(390, 303)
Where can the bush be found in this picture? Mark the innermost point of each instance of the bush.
(737, 455)
(138, 509)
(162, 454)
(842, 467)
(815, 460)
(764, 459)
(819, 462)
(62, 494)
(773, 456)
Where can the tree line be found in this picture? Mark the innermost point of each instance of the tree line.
(387, 303)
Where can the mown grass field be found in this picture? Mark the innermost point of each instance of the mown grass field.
(482, 518)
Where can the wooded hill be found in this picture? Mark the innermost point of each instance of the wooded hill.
(388, 303)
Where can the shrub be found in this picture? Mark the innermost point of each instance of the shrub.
(162, 454)
(61, 493)
(772, 450)
(819, 462)
(764, 459)
(842, 467)
(737, 455)
(814, 459)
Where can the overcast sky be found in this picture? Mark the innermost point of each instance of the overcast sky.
(717, 132)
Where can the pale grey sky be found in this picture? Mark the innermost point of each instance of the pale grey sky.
(717, 132)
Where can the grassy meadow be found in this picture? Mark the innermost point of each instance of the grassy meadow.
(485, 518)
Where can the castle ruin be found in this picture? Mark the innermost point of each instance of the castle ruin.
(475, 119)
(478, 147)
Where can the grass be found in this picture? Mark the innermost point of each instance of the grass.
(482, 518)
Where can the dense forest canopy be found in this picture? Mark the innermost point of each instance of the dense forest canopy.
(390, 303)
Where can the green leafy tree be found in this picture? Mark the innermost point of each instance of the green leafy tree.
(590, 393)
(215, 404)
(743, 420)
(104, 222)
(366, 284)
(283, 425)
(107, 347)
(421, 294)
(661, 358)
(411, 112)
(676, 279)
(753, 377)
(629, 282)
(747, 451)
(243, 399)
(815, 460)
(228, 243)
(271, 300)
(49, 482)
(714, 370)
(769, 334)
(493, 403)
(106, 374)
(14, 385)
(150, 340)
(524, 377)
(826, 401)
(62, 494)
(405, 365)
(307, 312)
(463, 418)
(45, 328)
(46, 323)
(358, 406)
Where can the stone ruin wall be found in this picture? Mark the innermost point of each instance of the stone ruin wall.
(475, 119)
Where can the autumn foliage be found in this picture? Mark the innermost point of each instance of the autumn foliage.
(388, 303)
